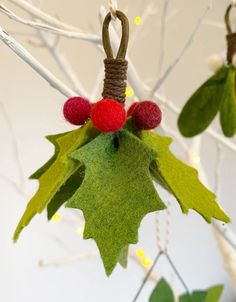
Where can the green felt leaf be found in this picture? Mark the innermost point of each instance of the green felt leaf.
(45, 167)
(211, 295)
(203, 105)
(228, 105)
(116, 193)
(66, 191)
(181, 180)
(58, 173)
(162, 292)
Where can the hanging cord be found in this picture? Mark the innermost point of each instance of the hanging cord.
(176, 271)
(147, 277)
(112, 4)
(163, 248)
(115, 68)
(231, 36)
(162, 251)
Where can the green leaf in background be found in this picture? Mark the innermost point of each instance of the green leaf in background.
(181, 179)
(116, 193)
(211, 295)
(214, 293)
(58, 172)
(228, 104)
(203, 105)
(197, 296)
(162, 293)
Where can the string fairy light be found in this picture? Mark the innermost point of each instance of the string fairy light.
(146, 261)
(56, 217)
(140, 253)
(129, 92)
(137, 20)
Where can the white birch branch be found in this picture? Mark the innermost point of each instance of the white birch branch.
(18, 49)
(40, 15)
(62, 62)
(15, 149)
(52, 30)
(183, 51)
(14, 185)
(222, 228)
(64, 66)
(148, 11)
(163, 34)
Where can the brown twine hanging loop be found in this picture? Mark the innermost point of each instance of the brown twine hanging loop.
(115, 68)
(231, 36)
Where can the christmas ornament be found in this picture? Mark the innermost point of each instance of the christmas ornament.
(164, 293)
(217, 94)
(106, 167)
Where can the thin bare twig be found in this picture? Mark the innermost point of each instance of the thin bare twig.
(163, 34)
(63, 63)
(14, 185)
(15, 149)
(38, 67)
(40, 15)
(52, 30)
(183, 51)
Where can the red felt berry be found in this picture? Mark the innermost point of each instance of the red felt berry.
(108, 115)
(147, 115)
(132, 108)
(76, 110)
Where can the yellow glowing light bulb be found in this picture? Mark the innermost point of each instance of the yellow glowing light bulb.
(137, 20)
(146, 261)
(56, 217)
(140, 253)
(129, 92)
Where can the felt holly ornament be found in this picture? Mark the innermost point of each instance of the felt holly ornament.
(106, 167)
(217, 94)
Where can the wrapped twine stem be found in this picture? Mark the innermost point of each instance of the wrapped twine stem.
(231, 42)
(115, 79)
(230, 37)
(115, 68)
